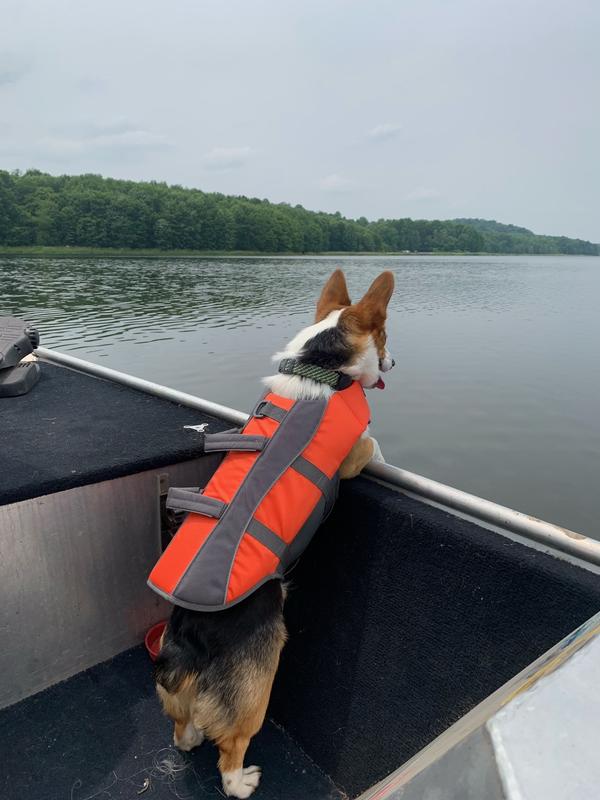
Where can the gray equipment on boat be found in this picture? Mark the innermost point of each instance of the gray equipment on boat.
(17, 340)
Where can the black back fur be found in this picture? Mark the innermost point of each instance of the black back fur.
(213, 644)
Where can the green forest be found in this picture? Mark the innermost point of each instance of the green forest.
(40, 210)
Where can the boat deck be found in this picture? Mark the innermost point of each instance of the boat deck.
(73, 430)
(402, 616)
(102, 735)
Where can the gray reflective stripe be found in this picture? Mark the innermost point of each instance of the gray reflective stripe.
(215, 442)
(277, 575)
(267, 409)
(266, 536)
(190, 499)
(316, 518)
(314, 474)
(304, 535)
(206, 580)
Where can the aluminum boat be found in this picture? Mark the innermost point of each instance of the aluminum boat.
(441, 646)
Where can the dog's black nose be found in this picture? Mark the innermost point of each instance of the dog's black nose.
(393, 363)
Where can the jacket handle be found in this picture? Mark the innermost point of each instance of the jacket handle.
(190, 499)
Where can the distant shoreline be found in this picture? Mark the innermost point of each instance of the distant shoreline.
(108, 217)
(115, 252)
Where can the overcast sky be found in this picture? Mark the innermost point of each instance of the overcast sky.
(427, 108)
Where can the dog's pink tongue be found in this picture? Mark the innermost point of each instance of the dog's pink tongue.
(380, 384)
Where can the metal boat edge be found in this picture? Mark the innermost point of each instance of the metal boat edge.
(556, 660)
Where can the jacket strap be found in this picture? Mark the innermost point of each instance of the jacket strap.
(190, 499)
(267, 409)
(219, 442)
(266, 536)
(312, 473)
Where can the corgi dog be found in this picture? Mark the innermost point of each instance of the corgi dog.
(215, 669)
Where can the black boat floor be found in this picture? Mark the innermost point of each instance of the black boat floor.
(101, 736)
(74, 429)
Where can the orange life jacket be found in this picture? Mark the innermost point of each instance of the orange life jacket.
(265, 501)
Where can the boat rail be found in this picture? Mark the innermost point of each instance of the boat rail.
(545, 533)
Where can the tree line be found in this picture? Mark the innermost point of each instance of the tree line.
(37, 209)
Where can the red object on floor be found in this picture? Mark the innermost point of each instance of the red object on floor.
(152, 639)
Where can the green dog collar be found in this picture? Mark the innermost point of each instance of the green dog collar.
(331, 377)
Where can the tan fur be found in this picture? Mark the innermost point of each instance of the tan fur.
(367, 317)
(360, 340)
(372, 309)
(231, 727)
(365, 321)
(357, 459)
(333, 296)
(233, 740)
(178, 705)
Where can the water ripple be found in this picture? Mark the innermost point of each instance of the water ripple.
(498, 378)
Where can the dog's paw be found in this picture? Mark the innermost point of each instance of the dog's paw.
(241, 782)
(377, 454)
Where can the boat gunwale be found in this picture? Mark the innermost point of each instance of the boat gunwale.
(550, 661)
(528, 527)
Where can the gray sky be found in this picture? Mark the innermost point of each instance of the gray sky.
(427, 108)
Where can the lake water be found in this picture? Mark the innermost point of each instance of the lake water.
(496, 388)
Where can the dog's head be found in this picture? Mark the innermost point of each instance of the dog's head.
(360, 326)
(348, 337)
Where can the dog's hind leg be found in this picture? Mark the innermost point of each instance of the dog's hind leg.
(179, 706)
(238, 781)
(187, 736)
(253, 690)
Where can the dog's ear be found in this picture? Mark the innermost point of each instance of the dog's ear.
(334, 295)
(372, 309)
